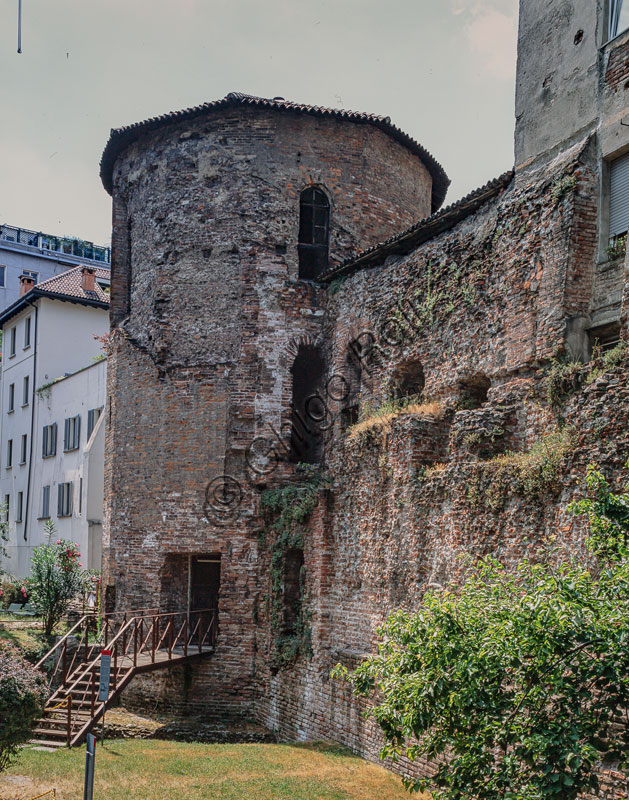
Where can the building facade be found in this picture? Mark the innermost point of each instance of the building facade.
(52, 433)
(281, 272)
(41, 256)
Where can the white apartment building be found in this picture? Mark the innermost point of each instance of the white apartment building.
(41, 256)
(53, 389)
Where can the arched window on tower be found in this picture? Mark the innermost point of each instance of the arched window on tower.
(314, 233)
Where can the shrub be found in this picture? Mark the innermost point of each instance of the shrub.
(515, 684)
(56, 578)
(22, 697)
(12, 590)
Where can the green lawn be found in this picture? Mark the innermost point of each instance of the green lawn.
(156, 770)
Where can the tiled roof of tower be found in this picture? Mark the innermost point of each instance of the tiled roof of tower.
(403, 243)
(121, 137)
(69, 284)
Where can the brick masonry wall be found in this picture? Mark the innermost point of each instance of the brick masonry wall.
(200, 366)
(207, 318)
(491, 299)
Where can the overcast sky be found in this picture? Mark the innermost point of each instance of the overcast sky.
(443, 70)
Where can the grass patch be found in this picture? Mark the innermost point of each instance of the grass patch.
(27, 635)
(381, 418)
(142, 770)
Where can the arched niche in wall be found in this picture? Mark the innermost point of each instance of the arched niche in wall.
(408, 381)
(473, 391)
(309, 410)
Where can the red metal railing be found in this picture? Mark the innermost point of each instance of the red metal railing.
(137, 641)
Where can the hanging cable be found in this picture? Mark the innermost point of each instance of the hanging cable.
(19, 26)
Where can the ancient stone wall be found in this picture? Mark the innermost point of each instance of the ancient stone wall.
(208, 316)
(486, 463)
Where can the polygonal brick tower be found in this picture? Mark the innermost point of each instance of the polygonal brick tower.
(224, 216)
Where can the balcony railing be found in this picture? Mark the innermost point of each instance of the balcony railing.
(57, 244)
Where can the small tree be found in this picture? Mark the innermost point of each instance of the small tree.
(516, 684)
(22, 697)
(56, 578)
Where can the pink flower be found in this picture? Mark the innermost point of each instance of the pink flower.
(80, 565)
(58, 541)
(23, 590)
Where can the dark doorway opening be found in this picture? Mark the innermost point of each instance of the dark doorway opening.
(205, 580)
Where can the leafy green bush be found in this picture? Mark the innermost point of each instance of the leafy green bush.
(516, 684)
(22, 697)
(56, 578)
(12, 590)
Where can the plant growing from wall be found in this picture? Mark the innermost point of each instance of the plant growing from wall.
(562, 186)
(534, 474)
(56, 578)
(290, 507)
(22, 697)
(515, 683)
(617, 248)
(560, 380)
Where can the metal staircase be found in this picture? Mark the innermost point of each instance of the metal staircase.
(139, 641)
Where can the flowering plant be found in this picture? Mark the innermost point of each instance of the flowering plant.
(56, 578)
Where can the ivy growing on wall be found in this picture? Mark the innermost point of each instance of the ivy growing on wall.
(288, 509)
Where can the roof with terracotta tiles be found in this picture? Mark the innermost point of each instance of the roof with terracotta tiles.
(66, 286)
(403, 243)
(120, 138)
(69, 284)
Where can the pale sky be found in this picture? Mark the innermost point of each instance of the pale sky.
(443, 70)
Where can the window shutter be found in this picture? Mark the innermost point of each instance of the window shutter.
(70, 497)
(66, 435)
(619, 196)
(77, 431)
(44, 444)
(53, 443)
(60, 500)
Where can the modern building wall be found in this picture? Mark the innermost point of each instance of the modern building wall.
(17, 257)
(62, 347)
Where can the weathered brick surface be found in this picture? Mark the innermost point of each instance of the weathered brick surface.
(201, 366)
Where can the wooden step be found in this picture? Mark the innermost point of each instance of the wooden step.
(47, 742)
(51, 732)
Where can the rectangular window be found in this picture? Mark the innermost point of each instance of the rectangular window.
(49, 440)
(72, 433)
(27, 332)
(45, 503)
(618, 203)
(3, 274)
(12, 341)
(92, 418)
(7, 505)
(81, 496)
(30, 274)
(9, 453)
(64, 500)
(20, 507)
(618, 17)
(23, 447)
(25, 390)
(11, 397)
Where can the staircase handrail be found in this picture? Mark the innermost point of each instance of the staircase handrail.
(98, 710)
(42, 660)
(122, 630)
